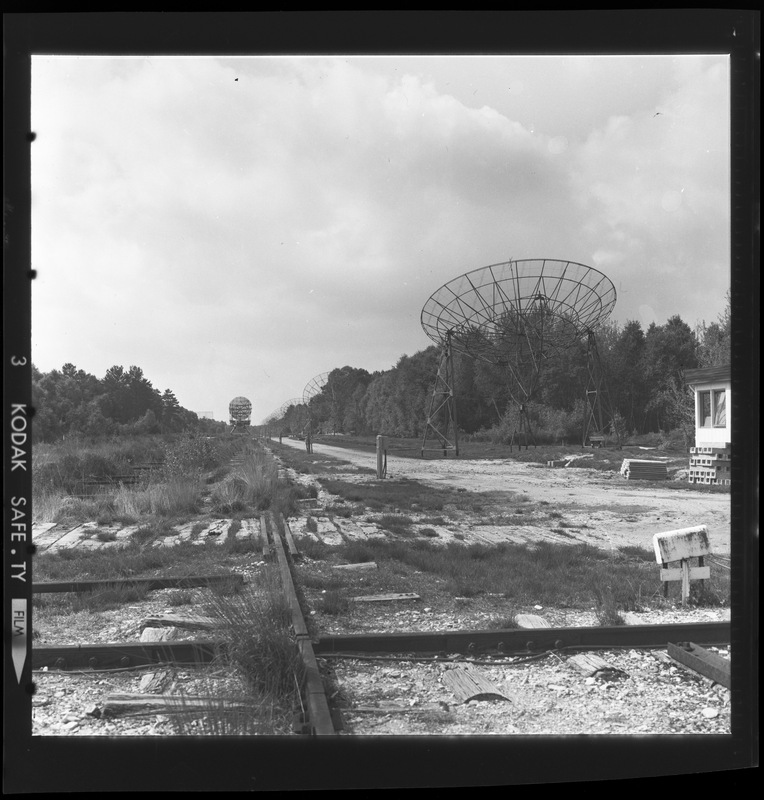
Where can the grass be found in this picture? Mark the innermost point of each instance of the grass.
(606, 459)
(260, 650)
(395, 523)
(606, 605)
(555, 575)
(403, 495)
(180, 597)
(134, 561)
(254, 486)
(259, 666)
(312, 463)
(175, 488)
(312, 550)
(358, 553)
(335, 602)
(102, 599)
(321, 582)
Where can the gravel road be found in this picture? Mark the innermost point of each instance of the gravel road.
(616, 511)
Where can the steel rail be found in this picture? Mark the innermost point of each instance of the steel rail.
(525, 640)
(150, 584)
(319, 720)
(99, 656)
(517, 641)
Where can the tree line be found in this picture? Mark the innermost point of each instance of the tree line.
(643, 371)
(643, 375)
(70, 401)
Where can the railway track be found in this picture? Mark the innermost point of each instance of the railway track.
(321, 653)
(329, 660)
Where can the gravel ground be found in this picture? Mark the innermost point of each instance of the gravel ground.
(648, 694)
(645, 692)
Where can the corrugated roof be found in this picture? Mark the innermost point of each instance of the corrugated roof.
(708, 374)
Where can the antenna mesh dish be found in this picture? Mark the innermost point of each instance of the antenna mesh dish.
(513, 311)
(240, 409)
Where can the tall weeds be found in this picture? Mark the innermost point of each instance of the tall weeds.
(255, 486)
(255, 628)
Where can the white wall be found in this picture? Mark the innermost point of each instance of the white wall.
(712, 436)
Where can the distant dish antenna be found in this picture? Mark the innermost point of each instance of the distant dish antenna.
(314, 387)
(513, 315)
(294, 416)
(325, 384)
(240, 412)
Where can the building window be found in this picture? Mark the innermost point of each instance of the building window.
(720, 408)
(712, 409)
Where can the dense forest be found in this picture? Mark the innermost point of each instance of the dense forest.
(643, 372)
(72, 402)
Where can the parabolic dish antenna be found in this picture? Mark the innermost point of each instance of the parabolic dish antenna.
(516, 311)
(240, 409)
(314, 387)
(513, 315)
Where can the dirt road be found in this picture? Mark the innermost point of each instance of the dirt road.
(601, 508)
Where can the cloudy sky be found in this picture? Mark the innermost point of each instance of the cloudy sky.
(238, 226)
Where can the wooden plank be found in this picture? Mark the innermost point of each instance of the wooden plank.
(116, 704)
(425, 708)
(38, 528)
(319, 715)
(264, 536)
(186, 582)
(364, 565)
(531, 621)
(291, 546)
(591, 664)
(70, 538)
(703, 661)
(49, 537)
(174, 621)
(468, 683)
(386, 598)
(696, 574)
(681, 544)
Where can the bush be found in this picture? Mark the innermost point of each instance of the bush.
(335, 602)
(255, 628)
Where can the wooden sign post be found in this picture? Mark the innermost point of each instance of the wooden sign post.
(381, 456)
(678, 547)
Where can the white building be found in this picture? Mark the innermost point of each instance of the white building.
(710, 458)
(712, 387)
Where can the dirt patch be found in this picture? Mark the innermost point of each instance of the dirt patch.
(602, 508)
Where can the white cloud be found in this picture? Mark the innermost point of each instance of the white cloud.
(211, 219)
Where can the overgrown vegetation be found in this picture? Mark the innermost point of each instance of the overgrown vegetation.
(554, 575)
(123, 480)
(254, 486)
(255, 628)
(409, 495)
(643, 368)
(136, 561)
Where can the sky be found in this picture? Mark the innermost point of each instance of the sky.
(238, 226)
